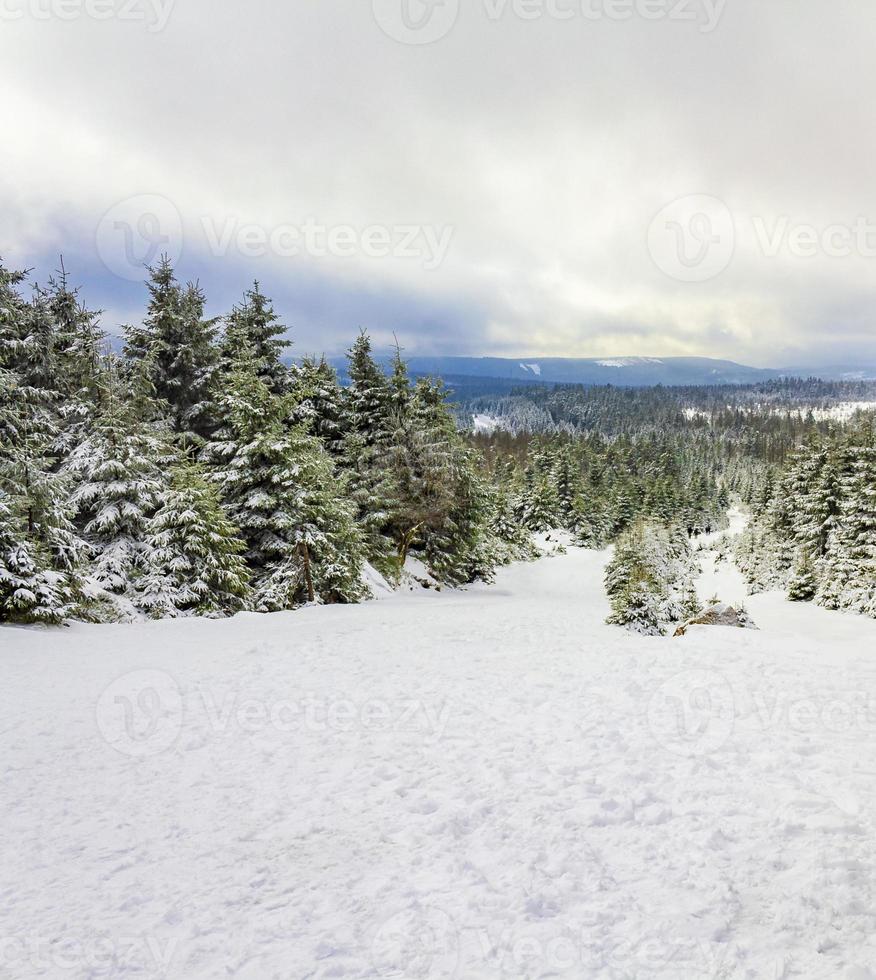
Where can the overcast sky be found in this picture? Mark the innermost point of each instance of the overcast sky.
(567, 177)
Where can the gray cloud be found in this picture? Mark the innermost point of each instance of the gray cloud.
(547, 146)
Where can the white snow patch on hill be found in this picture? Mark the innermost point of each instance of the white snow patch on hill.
(839, 411)
(489, 783)
(843, 411)
(622, 362)
(488, 423)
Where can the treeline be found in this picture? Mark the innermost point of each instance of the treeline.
(597, 488)
(813, 527)
(198, 474)
(766, 421)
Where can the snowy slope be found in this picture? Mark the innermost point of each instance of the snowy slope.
(480, 784)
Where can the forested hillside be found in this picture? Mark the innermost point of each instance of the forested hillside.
(199, 473)
(800, 454)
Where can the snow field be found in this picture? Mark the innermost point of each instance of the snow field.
(488, 783)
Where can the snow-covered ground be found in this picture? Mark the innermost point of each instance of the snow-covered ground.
(837, 411)
(487, 423)
(481, 784)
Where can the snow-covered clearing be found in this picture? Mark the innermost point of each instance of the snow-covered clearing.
(487, 423)
(480, 784)
(837, 411)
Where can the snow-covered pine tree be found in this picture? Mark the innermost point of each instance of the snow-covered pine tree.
(281, 489)
(31, 590)
(567, 480)
(456, 541)
(176, 346)
(27, 351)
(419, 471)
(367, 398)
(803, 583)
(193, 562)
(79, 340)
(41, 551)
(678, 568)
(318, 401)
(538, 503)
(650, 579)
(253, 326)
(636, 594)
(45, 550)
(847, 572)
(366, 435)
(513, 537)
(399, 385)
(814, 484)
(588, 521)
(118, 470)
(78, 348)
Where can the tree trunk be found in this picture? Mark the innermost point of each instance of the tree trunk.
(308, 578)
(407, 539)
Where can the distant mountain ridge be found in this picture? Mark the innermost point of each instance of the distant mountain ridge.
(621, 371)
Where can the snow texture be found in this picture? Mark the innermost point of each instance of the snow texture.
(534, 368)
(488, 423)
(490, 783)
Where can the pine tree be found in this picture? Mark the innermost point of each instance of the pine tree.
(804, 583)
(514, 539)
(366, 427)
(31, 591)
(635, 593)
(78, 349)
(847, 572)
(368, 395)
(28, 354)
(588, 521)
(650, 579)
(318, 403)
(538, 505)
(118, 474)
(253, 326)
(281, 489)
(79, 339)
(456, 542)
(177, 347)
(193, 561)
(566, 478)
(639, 607)
(42, 550)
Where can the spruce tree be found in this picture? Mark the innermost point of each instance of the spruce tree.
(847, 572)
(176, 345)
(456, 541)
(650, 579)
(253, 326)
(193, 562)
(31, 590)
(804, 583)
(366, 425)
(281, 489)
(538, 505)
(78, 349)
(118, 471)
(318, 402)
